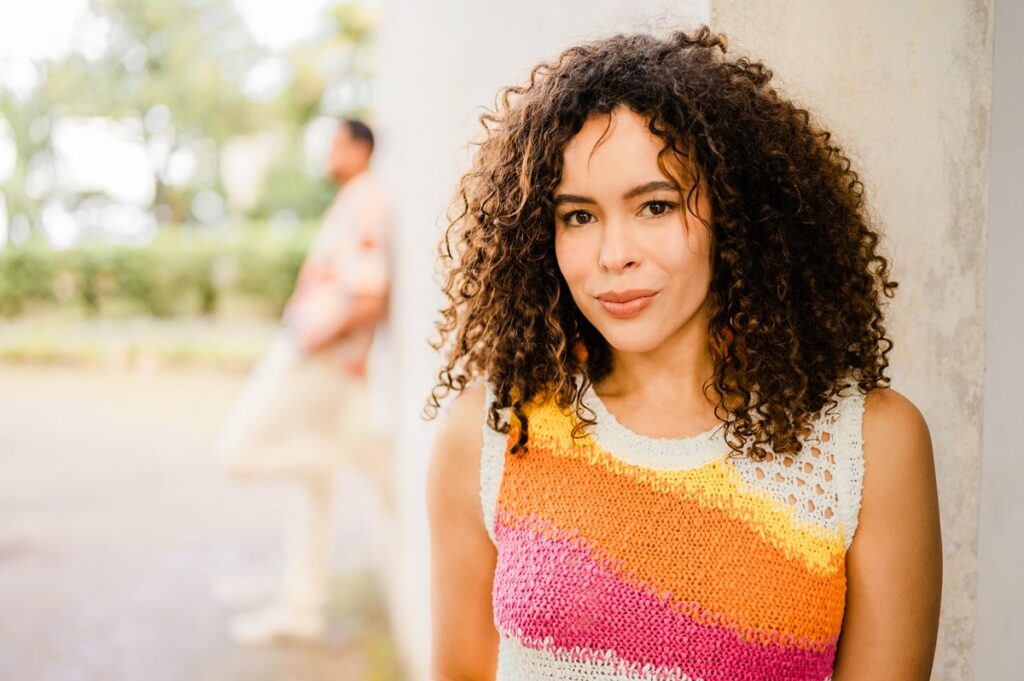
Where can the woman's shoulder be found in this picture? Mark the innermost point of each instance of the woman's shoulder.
(467, 461)
(460, 430)
(897, 442)
(882, 426)
(897, 470)
(877, 454)
(887, 407)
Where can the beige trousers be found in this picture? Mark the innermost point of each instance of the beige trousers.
(299, 419)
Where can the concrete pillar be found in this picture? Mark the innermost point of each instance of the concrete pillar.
(1001, 535)
(905, 87)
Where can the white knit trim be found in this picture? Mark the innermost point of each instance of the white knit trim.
(660, 453)
(517, 662)
(848, 447)
(492, 465)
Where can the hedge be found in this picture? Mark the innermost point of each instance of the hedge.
(183, 272)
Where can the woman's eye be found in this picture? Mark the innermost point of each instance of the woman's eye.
(577, 217)
(659, 208)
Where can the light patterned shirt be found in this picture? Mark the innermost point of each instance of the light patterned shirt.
(347, 258)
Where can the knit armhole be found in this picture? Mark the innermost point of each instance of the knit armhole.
(848, 446)
(492, 465)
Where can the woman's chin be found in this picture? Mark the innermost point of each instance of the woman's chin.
(633, 341)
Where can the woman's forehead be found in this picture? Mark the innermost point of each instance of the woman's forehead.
(618, 150)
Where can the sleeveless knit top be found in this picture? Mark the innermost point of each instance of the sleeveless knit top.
(622, 556)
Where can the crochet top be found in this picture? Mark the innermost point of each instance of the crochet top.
(621, 556)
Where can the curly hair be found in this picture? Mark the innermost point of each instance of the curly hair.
(796, 277)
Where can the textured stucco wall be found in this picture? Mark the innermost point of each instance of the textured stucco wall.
(1001, 537)
(905, 86)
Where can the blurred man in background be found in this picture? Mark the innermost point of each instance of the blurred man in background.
(306, 408)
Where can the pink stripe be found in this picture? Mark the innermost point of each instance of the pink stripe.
(552, 593)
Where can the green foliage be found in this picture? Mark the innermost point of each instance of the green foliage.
(267, 270)
(181, 273)
(186, 61)
(290, 189)
(25, 275)
(188, 56)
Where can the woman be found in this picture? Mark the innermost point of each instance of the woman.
(673, 453)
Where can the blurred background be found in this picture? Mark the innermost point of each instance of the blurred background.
(163, 168)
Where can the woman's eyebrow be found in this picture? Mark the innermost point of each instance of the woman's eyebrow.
(646, 188)
(572, 198)
(657, 185)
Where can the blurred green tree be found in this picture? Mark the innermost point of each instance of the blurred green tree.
(179, 74)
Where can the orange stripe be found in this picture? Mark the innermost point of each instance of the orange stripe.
(713, 484)
(694, 552)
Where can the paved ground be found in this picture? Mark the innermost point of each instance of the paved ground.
(115, 520)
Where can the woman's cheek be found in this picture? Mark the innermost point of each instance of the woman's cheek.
(571, 253)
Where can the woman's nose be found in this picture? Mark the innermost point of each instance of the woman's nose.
(618, 252)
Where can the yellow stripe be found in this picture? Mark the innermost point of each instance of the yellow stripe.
(715, 485)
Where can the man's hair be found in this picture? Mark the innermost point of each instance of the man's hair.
(359, 130)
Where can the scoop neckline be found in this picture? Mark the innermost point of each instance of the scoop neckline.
(663, 453)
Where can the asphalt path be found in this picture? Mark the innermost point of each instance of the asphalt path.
(116, 525)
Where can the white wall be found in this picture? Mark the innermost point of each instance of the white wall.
(439, 63)
(1001, 535)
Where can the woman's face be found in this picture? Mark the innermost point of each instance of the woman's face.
(636, 261)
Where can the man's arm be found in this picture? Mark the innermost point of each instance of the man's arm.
(362, 310)
(365, 293)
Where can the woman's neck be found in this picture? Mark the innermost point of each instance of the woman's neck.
(674, 373)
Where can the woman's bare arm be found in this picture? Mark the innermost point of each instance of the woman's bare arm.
(894, 566)
(465, 642)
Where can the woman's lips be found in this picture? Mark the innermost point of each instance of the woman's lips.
(622, 306)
